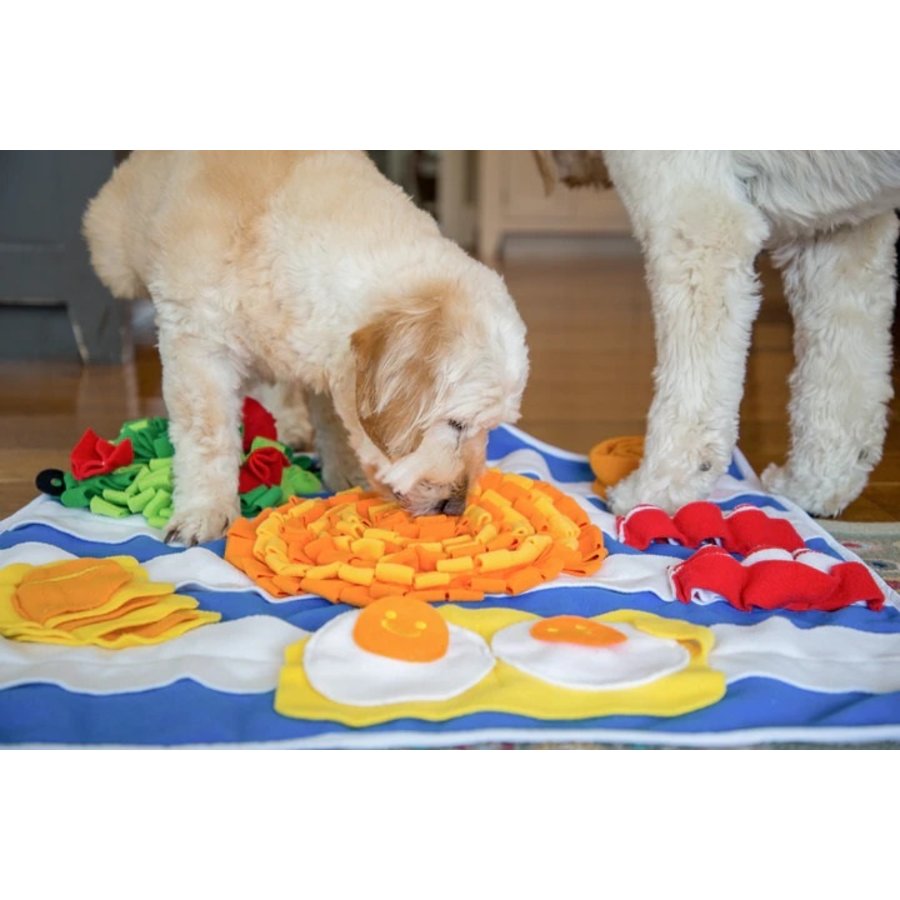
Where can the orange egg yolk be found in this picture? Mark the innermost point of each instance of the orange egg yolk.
(576, 630)
(402, 628)
(72, 586)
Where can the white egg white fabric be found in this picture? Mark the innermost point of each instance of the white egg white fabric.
(640, 659)
(339, 669)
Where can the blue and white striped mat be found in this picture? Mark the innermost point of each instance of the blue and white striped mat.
(792, 677)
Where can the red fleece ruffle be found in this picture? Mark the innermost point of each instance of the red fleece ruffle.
(743, 530)
(775, 583)
(92, 455)
(257, 422)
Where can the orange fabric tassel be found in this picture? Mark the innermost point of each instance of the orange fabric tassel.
(515, 535)
(614, 459)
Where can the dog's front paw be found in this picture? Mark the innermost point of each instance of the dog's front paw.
(669, 489)
(816, 493)
(680, 468)
(198, 524)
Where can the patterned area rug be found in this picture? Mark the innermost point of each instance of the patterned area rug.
(877, 543)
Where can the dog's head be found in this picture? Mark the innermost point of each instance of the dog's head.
(433, 375)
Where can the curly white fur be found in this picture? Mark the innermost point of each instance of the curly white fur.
(702, 217)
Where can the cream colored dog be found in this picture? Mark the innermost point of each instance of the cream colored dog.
(313, 272)
(702, 217)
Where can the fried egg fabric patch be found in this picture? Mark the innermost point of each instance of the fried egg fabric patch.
(108, 603)
(625, 662)
(568, 655)
(354, 547)
(395, 651)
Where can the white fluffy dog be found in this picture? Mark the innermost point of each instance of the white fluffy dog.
(311, 271)
(702, 217)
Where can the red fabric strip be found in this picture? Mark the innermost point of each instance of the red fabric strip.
(743, 530)
(775, 583)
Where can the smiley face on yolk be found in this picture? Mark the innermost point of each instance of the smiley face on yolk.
(576, 630)
(396, 650)
(402, 628)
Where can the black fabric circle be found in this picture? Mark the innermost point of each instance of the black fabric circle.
(51, 482)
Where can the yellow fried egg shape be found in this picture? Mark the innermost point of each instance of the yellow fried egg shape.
(505, 688)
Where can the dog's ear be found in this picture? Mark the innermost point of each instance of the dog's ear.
(575, 168)
(396, 359)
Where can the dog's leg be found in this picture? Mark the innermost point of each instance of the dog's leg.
(840, 287)
(201, 389)
(700, 242)
(340, 465)
(287, 402)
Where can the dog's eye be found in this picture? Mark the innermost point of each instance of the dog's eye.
(456, 426)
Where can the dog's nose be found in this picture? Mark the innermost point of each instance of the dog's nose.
(452, 506)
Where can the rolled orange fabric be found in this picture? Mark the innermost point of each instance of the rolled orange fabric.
(515, 534)
(613, 459)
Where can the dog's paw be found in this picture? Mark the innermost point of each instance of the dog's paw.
(196, 525)
(817, 494)
(681, 467)
(668, 490)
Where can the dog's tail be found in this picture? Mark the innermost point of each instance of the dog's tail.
(575, 168)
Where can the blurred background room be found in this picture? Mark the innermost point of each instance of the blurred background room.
(71, 357)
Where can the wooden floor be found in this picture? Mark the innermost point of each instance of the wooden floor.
(591, 342)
